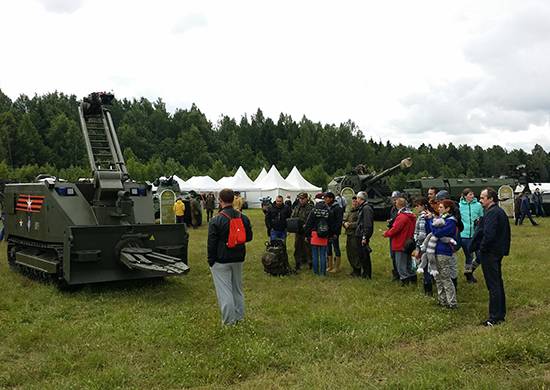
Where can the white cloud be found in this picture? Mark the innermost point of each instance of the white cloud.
(61, 6)
(404, 71)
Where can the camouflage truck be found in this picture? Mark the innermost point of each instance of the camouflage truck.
(455, 186)
(95, 230)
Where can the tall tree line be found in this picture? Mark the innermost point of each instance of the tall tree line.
(42, 135)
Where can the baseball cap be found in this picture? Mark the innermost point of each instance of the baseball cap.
(443, 194)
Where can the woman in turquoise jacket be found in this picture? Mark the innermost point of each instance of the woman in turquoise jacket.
(470, 211)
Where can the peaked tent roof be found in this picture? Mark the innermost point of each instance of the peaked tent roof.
(237, 183)
(180, 181)
(201, 183)
(274, 180)
(242, 173)
(262, 174)
(297, 180)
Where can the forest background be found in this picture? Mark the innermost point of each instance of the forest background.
(42, 135)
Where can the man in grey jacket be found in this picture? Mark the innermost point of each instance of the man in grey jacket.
(363, 233)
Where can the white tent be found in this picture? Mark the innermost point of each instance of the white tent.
(224, 182)
(262, 174)
(237, 183)
(297, 180)
(180, 181)
(272, 184)
(201, 184)
(544, 188)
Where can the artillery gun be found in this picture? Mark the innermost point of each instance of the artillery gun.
(374, 184)
(94, 230)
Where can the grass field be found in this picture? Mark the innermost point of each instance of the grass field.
(300, 331)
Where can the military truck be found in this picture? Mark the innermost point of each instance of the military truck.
(455, 186)
(374, 184)
(95, 230)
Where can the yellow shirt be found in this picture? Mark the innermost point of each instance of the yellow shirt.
(179, 208)
(238, 203)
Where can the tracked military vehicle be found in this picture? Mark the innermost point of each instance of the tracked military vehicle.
(95, 230)
(455, 186)
(374, 184)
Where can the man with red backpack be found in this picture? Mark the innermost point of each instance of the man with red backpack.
(227, 234)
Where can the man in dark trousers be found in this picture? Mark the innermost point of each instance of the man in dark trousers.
(493, 246)
(302, 249)
(226, 264)
(275, 219)
(363, 233)
(336, 215)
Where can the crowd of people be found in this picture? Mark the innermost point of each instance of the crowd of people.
(424, 237)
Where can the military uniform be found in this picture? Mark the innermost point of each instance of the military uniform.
(302, 249)
(351, 242)
(196, 213)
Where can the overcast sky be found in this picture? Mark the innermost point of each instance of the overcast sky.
(472, 72)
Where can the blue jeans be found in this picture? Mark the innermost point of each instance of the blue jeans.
(334, 243)
(319, 254)
(465, 245)
(277, 235)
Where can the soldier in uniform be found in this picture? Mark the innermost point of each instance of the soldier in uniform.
(350, 224)
(196, 212)
(302, 249)
(209, 204)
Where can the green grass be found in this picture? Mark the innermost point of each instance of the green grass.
(300, 331)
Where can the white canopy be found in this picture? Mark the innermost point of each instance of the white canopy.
(222, 182)
(297, 180)
(237, 183)
(544, 188)
(274, 181)
(262, 174)
(201, 184)
(180, 181)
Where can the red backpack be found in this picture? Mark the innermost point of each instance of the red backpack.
(237, 234)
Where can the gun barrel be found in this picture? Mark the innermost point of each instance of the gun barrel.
(404, 164)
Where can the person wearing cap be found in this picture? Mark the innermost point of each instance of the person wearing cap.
(350, 224)
(317, 221)
(238, 202)
(179, 210)
(336, 215)
(302, 249)
(363, 233)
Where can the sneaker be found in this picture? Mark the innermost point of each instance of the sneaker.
(490, 323)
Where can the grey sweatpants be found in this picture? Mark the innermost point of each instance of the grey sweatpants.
(228, 281)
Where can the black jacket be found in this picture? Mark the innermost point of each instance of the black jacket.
(218, 233)
(495, 232)
(335, 219)
(275, 217)
(319, 211)
(365, 221)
